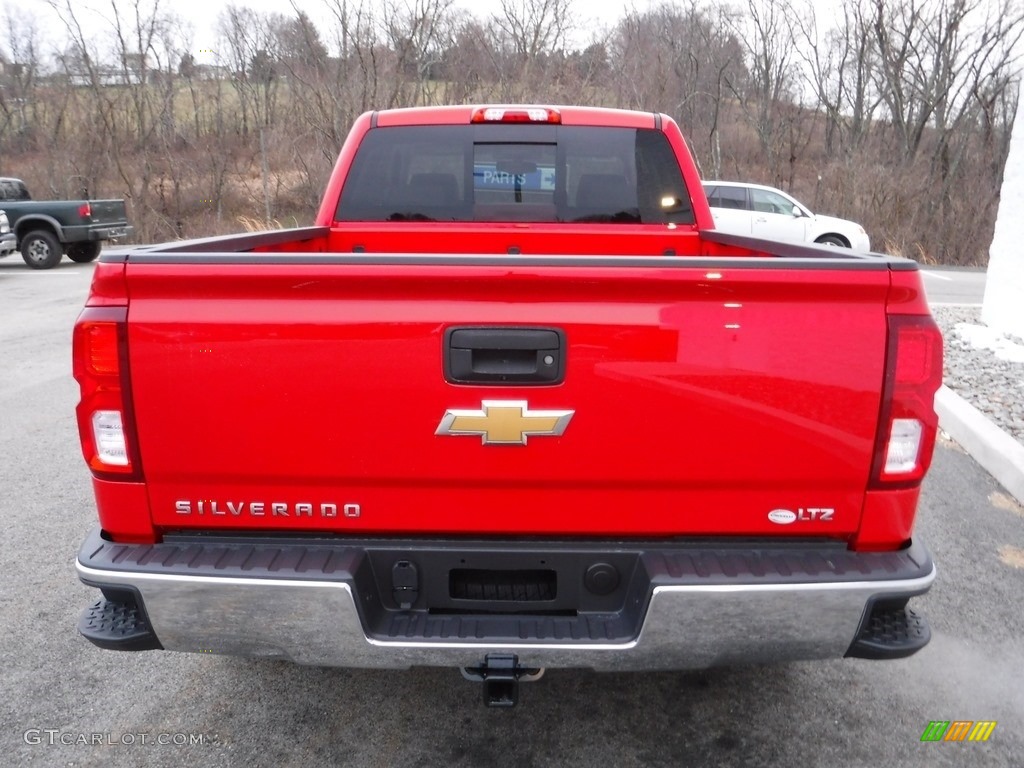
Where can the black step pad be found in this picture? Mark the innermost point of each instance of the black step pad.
(117, 626)
(890, 632)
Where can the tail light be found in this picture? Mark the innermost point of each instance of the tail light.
(908, 424)
(105, 418)
(85, 210)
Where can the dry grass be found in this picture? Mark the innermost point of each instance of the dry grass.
(250, 224)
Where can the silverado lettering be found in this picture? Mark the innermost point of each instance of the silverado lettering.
(258, 508)
(506, 270)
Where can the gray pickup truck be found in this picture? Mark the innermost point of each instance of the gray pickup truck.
(46, 229)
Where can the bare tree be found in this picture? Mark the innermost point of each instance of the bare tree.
(130, 88)
(680, 60)
(521, 38)
(251, 46)
(19, 81)
(764, 28)
(838, 65)
(468, 65)
(418, 32)
(534, 27)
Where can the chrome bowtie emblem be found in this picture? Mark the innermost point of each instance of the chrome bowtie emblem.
(504, 422)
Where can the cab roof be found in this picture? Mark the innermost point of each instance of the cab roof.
(462, 115)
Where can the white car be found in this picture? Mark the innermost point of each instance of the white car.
(765, 212)
(8, 242)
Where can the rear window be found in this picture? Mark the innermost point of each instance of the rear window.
(515, 173)
(13, 189)
(727, 197)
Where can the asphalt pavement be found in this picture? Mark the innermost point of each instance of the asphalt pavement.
(68, 703)
(958, 286)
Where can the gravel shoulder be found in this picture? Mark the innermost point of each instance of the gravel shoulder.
(989, 375)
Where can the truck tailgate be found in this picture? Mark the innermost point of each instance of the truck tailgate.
(107, 212)
(714, 397)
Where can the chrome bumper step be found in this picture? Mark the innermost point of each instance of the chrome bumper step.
(614, 605)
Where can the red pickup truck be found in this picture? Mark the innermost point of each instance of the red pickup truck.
(511, 403)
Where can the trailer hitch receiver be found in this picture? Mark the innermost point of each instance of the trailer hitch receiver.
(501, 674)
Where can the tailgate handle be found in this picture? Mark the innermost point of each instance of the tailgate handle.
(498, 355)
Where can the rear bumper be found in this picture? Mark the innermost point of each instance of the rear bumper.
(94, 232)
(672, 606)
(8, 244)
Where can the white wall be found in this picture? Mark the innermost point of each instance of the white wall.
(1003, 307)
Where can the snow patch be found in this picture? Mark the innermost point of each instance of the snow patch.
(983, 337)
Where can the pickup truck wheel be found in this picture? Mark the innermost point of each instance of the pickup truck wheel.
(833, 240)
(82, 253)
(40, 249)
